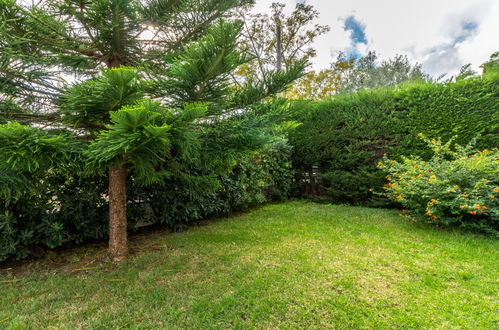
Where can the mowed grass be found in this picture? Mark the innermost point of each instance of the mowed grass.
(291, 265)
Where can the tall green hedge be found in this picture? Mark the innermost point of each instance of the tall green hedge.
(465, 109)
(340, 141)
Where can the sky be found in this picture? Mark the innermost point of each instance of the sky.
(442, 35)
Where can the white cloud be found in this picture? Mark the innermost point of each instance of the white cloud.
(425, 30)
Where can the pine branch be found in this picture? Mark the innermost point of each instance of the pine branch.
(35, 117)
(176, 45)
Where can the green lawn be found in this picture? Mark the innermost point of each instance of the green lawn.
(291, 265)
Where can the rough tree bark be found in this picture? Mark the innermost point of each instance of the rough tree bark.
(118, 237)
(118, 241)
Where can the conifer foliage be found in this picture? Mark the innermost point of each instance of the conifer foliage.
(119, 86)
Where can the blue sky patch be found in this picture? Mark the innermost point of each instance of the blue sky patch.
(358, 34)
(468, 28)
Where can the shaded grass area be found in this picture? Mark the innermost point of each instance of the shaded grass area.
(290, 265)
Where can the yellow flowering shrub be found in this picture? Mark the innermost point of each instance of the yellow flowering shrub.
(457, 186)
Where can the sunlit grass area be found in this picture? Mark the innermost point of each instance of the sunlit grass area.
(291, 265)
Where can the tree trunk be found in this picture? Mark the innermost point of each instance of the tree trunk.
(118, 242)
(278, 46)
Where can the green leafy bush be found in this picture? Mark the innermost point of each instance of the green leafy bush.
(256, 177)
(44, 201)
(457, 186)
(63, 210)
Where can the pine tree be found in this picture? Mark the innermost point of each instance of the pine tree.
(129, 78)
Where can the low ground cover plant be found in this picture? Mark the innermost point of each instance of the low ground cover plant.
(458, 185)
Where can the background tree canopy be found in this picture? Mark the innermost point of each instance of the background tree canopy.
(350, 74)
